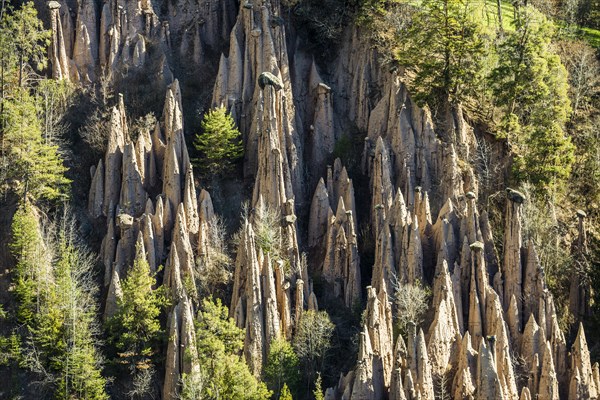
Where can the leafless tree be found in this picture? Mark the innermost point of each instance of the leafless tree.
(312, 341)
(95, 130)
(193, 386)
(215, 267)
(143, 386)
(411, 302)
(488, 171)
(584, 72)
(442, 385)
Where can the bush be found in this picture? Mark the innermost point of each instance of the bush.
(266, 223)
(267, 227)
(285, 393)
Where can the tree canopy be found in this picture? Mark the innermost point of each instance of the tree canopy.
(223, 373)
(135, 328)
(219, 143)
(31, 164)
(530, 85)
(444, 49)
(55, 297)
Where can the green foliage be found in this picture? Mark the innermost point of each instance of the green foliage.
(530, 85)
(56, 303)
(23, 39)
(444, 49)
(529, 80)
(219, 142)
(592, 36)
(223, 374)
(216, 333)
(10, 349)
(32, 165)
(545, 158)
(348, 148)
(281, 368)
(318, 392)
(30, 162)
(135, 328)
(451, 55)
(285, 393)
(27, 248)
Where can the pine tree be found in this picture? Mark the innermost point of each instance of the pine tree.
(223, 373)
(443, 46)
(34, 168)
(285, 393)
(30, 164)
(530, 84)
(219, 143)
(28, 249)
(318, 392)
(25, 40)
(135, 328)
(37, 305)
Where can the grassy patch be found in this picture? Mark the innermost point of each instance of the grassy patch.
(489, 13)
(592, 36)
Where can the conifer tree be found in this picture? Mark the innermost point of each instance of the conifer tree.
(33, 167)
(223, 373)
(285, 393)
(135, 328)
(28, 249)
(318, 392)
(530, 84)
(219, 143)
(30, 164)
(444, 48)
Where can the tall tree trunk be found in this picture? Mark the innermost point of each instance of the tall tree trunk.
(499, 5)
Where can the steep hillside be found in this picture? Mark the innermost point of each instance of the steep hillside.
(352, 205)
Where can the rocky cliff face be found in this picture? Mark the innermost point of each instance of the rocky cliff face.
(166, 228)
(422, 210)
